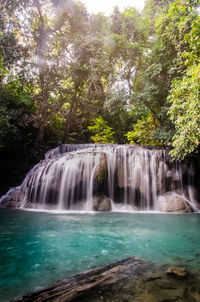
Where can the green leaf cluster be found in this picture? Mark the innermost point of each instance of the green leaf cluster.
(103, 134)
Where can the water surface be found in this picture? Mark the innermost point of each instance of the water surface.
(37, 249)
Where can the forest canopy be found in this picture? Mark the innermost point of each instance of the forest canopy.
(67, 76)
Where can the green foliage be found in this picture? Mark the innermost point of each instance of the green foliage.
(185, 112)
(184, 95)
(103, 134)
(15, 115)
(192, 54)
(117, 113)
(143, 132)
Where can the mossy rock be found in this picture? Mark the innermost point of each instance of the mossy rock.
(101, 171)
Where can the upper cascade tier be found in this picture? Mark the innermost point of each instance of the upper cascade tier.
(106, 177)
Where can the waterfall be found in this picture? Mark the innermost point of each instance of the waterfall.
(106, 177)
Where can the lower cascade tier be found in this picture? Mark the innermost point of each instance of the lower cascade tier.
(106, 177)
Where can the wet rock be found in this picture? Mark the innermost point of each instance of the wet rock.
(2, 206)
(172, 202)
(146, 297)
(101, 171)
(124, 180)
(150, 279)
(177, 271)
(101, 203)
(11, 199)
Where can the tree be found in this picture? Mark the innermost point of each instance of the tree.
(74, 67)
(103, 134)
(185, 112)
(144, 132)
(150, 83)
(162, 62)
(184, 98)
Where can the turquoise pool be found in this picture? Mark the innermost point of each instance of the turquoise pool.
(37, 249)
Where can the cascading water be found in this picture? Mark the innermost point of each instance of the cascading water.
(106, 177)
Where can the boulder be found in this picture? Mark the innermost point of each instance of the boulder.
(11, 199)
(172, 202)
(101, 203)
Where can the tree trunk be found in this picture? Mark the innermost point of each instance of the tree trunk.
(143, 101)
(69, 119)
(40, 136)
(153, 112)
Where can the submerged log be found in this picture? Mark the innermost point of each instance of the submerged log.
(72, 289)
(128, 280)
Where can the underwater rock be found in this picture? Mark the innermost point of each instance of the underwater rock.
(177, 271)
(101, 203)
(172, 202)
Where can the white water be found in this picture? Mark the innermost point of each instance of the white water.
(135, 177)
